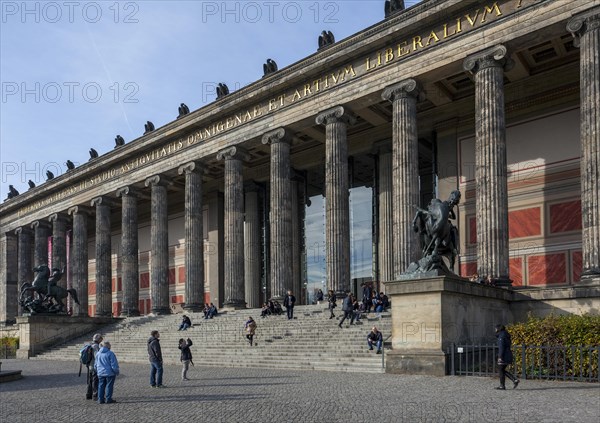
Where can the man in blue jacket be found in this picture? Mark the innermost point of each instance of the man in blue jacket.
(505, 357)
(156, 360)
(107, 368)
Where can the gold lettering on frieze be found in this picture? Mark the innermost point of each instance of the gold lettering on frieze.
(490, 9)
(473, 20)
(307, 90)
(432, 36)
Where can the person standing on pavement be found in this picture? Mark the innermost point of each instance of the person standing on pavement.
(505, 357)
(156, 360)
(288, 303)
(348, 309)
(92, 376)
(186, 356)
(107, 368)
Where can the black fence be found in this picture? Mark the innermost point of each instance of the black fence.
(579, 363)
(8, 351)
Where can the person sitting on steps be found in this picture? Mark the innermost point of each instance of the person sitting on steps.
(375, 338)
(185, 323)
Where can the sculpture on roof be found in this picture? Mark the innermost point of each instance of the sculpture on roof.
(70, 165)
(119, 141)
(269, 67)
(393, 6)
(93, 154)
(438, 235)
(12, 192)
(44, 295)
(31, 184)
(325, 39)
(148, 127)
(222, 90)
(183, 110)
(49, 175)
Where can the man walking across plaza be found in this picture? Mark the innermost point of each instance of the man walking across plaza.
(348, 309)
(107, 367)
(156, 360)
(288, 303)
(505, 357)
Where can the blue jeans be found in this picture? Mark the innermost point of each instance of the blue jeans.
(156, 372)
(184, 326)
(290, 312)
(105, 388)
(378, 343)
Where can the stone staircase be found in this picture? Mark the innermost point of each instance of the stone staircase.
(310, 341)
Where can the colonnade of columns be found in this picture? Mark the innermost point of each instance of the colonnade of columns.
(397, 188)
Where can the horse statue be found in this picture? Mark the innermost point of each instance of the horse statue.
(439, 237)
(44, 295)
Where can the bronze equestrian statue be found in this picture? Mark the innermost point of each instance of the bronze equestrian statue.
(44, 295)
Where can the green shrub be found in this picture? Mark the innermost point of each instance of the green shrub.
(560, 337)
(7, 342)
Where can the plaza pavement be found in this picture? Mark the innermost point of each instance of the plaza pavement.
(52, 392)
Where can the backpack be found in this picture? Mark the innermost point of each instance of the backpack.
(86, 355)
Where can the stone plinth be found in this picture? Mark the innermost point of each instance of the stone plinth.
(428, 315)
(38, 332)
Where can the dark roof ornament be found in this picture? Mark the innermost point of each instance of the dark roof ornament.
(119, 141)
(270, 67)
(93, 154)
(183, 110)
(326, 39)
(49, 175)
(222, 90)
(70, 165)
(31, 184)
(148, 127)
(12, 192)
(393, 6)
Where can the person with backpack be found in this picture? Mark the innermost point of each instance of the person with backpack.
(156, 360)
(107, 369)
(86, 358)
(186, 356)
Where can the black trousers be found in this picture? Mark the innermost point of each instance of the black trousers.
(290, 312)
(348, 314)
(504, 374)
(92, 384)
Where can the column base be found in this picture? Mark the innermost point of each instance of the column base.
(193, 307)
(234, 305)
(416, 363)
(129, 313)
(161, 311)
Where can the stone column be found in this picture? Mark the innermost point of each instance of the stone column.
(129, 251)
(103, 257)
(586, 31)
(385, 246)
(8, 278)
(59, 245)
(25, 265)
(41, 230)
(337, 212)
(491, 194)
(234, 226)
(79, 257)
(252, 247)
(159, 245)
(280, 209)
(405, 171)
(194, 240)
(295, 242)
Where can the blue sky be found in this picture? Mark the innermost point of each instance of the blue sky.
(76, 74)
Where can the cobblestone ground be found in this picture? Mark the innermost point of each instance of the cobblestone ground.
(52, 392)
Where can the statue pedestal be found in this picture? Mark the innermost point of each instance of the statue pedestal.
(38, 332)
(429, 314)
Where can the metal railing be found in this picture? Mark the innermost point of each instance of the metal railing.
(8, 351)
(578, 363)
(383, 351)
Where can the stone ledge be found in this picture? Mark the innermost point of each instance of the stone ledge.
(549, 293)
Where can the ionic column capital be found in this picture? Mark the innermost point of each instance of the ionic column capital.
(80, 210)
(129, 191)
(23, 230)
(277, 135)
(58, 217)
(583, 23)
(192, 167)
(41, 224)
(233, 153)
(103, 201)
(496, 56)
(335, 114)
(159, 180)
(403, 89)
(382, 147)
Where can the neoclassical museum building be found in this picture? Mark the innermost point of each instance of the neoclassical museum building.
(498, 99)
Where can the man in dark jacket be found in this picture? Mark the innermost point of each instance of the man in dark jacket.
(288, 303)
(156, 360)
(92, 376)
(375, 338)
(366, 291)
(186, 356)
(505, 357)
(348, 309)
